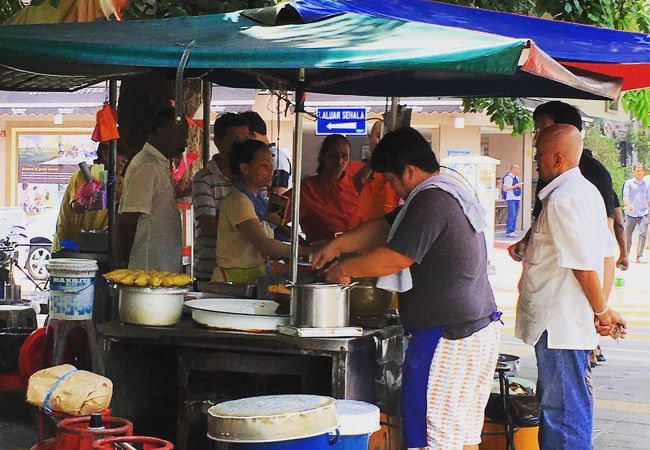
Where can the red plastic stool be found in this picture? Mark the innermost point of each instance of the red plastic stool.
(72, 342)
(146, 443)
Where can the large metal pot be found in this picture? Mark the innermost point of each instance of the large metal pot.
(151, 306)
(320, 305)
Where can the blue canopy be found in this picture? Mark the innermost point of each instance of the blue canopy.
(615, 53)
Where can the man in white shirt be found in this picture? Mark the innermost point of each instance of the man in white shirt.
(636, 195)
(149, 222)
(512, 190)
(561, 292)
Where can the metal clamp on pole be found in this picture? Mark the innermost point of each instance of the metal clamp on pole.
(178, 108)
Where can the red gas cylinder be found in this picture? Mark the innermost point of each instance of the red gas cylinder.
(142, 442)
(79, 433)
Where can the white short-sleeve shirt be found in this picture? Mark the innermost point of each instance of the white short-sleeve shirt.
(570, 233)
(149, 190)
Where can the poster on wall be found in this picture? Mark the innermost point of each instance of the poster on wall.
(45, 164)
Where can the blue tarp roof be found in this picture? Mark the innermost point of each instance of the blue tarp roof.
(611, 52)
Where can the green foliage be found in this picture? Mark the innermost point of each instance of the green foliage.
(515, 6)
(605, 150)
(638, 102)
(502, 111)
(641, 142)
(157, 9)
(8, 8)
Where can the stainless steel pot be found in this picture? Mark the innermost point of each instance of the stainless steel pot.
(320, 305)
(151, 306)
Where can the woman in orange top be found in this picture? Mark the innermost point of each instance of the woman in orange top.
(328, 200)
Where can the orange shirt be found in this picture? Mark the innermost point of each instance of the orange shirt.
(377, 198)
(327, 206)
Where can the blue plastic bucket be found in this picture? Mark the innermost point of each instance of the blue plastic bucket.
(320, 442)
(72, 288)
(357, 421)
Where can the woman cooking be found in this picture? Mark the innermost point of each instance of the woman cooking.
(329, 200)
(244, 238)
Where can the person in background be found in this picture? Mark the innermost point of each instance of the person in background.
(209, 187)
(432, 251)
(74, 217)
(636, 196)
(328, 200)
(244, 238)
(511, 186)
(149, 223)
(281, 164)
(376, 196)
(561, 290)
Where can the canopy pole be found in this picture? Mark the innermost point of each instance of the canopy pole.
(299, 110)
(178, 107)
(394, 104)
(205, 137)
(112, 184)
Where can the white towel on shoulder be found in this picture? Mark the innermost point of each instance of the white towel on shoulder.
(475, 213)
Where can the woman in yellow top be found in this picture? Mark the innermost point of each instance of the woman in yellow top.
(74, 217)
(244, 239)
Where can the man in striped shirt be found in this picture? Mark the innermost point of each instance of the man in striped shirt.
(209, 186)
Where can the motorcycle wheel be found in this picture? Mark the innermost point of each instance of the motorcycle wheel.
(37, 260)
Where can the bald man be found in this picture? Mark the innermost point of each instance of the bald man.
(560, 291)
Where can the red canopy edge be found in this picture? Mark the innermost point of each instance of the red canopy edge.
(635, 76)
(537, 62)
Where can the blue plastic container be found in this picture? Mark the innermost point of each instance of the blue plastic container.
(320, 442)
(358, 420)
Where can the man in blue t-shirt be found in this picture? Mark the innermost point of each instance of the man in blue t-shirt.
(512, 193)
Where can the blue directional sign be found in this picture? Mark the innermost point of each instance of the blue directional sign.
(341, 120)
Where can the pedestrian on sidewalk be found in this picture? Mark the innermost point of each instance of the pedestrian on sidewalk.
(511, 186)
(560, 290)
(636, 196)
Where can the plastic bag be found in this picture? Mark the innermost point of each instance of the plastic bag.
(524, 409)
(65, 389)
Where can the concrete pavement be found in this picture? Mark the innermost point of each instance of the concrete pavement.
(622, 383)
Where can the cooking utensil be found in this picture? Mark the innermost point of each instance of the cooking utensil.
(321, 305)
(369, 304)
(151, 306)
(239, 314)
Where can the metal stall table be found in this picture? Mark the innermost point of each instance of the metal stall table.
(165, 378)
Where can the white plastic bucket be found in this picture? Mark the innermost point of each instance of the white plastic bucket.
(357, 421)
(72, 288)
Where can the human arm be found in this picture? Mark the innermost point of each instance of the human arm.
(621, 239)
(367, 236)
(379, 262)
(607, 319)
(208, 225)
(626, 197)
(361, 176)
(268, 247)
(518, 249)
(127, 224)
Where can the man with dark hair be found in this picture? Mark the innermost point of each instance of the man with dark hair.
(281, 163)
(209, 186)
(432, 251)
(149, 222)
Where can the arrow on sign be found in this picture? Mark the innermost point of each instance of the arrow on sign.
(342, 126)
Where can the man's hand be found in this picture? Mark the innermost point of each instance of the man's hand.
(518, 249)
(326, 254)
(610, 324)
(623, 262)
(334, 274)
